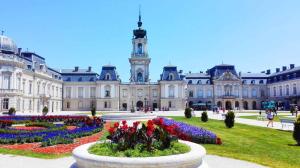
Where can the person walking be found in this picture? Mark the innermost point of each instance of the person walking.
(296, 111)
(270, 116)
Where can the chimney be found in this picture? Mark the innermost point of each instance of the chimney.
(283, 68)
(89, 69)
(277, 70)
(76, 69)
(19, 51)
(292, 66)
(268, 72)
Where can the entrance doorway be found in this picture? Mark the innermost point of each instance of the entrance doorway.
(154, 106)
(124, 106)
(139, 105)
(228, 105)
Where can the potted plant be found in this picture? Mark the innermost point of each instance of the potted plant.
(45, 110)
(140, 147)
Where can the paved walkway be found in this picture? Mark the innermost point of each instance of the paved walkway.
(10, 161)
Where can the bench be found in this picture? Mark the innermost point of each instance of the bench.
(286, 122)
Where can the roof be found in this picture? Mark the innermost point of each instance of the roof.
(254, 75)
(79, 71)
(197, 75)
(286, 71)
(167, 70)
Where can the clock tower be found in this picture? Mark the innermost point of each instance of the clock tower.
(139, 60)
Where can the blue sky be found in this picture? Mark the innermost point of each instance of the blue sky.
(195, 35)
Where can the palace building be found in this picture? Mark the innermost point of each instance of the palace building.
(28, 84)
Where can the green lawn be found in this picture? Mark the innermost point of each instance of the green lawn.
(276, 118)
(264, 146)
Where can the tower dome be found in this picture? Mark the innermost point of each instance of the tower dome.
(7, 45)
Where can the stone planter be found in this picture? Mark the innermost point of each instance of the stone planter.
(191, 159)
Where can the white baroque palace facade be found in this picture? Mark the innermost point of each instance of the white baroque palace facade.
(28, 84)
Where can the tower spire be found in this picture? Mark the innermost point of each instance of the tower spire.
(2, 32)
(140, 18)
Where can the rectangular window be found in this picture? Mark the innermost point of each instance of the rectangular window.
(5, 104)
(154, 92)
(124, 92)
(80, 92)
(30, 87)
(68, 92)
(93, 92)
(6, 82)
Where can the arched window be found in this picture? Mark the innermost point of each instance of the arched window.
(294, 89)
(107, 76)
(107, 91)
(261, 82)
(171, 91)
(190, 82)
(244, 82)
(287, 90)
(140, 48)
(252, 81)
(280, 90)
(208, 82)
(171, 76)
(274, 91)
(140, 77)
(199, 82)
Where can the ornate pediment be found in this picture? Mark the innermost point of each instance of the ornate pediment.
(228, 76)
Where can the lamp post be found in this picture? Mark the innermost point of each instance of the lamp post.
(145, 104)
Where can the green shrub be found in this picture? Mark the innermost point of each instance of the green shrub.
(204, 116)
(93, 111)
(12, 111)
(229, 119)
(45, 110)
(296, 133)
(188, 113)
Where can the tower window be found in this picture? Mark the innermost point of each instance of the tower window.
(171, 76)
(140, 77)
(140, 48)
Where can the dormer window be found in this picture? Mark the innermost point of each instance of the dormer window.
(107, 77)
(171, 76)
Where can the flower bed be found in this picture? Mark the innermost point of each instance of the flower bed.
(187, 132)
(52, 134)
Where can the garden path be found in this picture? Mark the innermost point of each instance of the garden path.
(27, 162)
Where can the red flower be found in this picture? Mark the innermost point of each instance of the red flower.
(219, 141)
(136, 124)
(116, 124)
(124, 122)
(111, 130)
